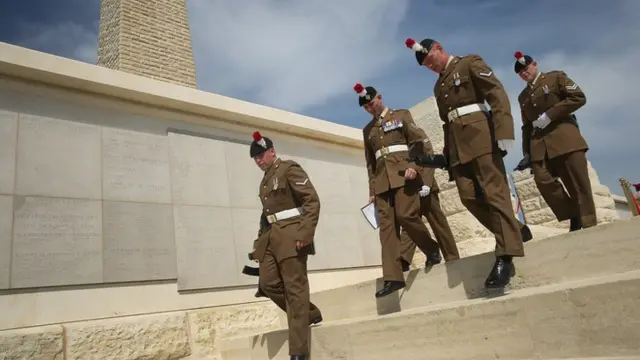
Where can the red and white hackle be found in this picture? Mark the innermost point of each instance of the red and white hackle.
(413, 45)
(520, 57)
(358, 88)
(259, 139)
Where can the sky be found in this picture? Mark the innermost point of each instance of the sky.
(306, 56)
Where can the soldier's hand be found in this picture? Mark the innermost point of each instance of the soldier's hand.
(372, 199)
(299, 244)
(525, 163)
(410, 174)
(251, 256)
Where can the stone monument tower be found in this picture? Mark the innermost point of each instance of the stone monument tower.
(147, 38)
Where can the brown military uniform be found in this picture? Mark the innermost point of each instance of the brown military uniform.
(396, 199)
(430, 208)
(471, 137)
(284, 191)
(558, 150)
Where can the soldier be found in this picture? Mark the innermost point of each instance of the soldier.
(553, 144)
(393, 182)
(476, 140)
(430, 208)
(291, 209)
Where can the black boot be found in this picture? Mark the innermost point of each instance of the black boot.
(433, 259)
(575, 224)
(389, 288)
(316, 320)
(501, 274)
(525, 233)
(299, 357)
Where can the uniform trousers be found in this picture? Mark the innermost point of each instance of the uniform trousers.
(484, 191)
(430, 207)
(397, 208)
(572, 169)
(285, 282)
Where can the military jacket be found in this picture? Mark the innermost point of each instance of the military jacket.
(469, 80)
(555, 94)
(286, 186)
(386, 170)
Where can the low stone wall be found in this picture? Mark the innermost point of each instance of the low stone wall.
(174, 335)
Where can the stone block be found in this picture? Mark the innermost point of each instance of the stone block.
(199, 171)
(370, 242)
(37, 343)
(464, 226)
(8, 144)
(332, 182)
(138, 242)
(337, 244)
(204, 242)
(208, 326)
(450, 202)
(58, 158)
(161, 336)
(56, 242)
(135, 166)
(244, 177)
(6, 224)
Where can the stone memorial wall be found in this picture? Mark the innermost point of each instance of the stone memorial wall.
(91, 195)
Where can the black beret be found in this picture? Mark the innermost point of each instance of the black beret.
(521, 61)
(421, 49)
(365, 94)
(259, 144)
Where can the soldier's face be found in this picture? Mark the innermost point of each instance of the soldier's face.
(375, 106)
(265, 159)
(435, 60)
(529, 72)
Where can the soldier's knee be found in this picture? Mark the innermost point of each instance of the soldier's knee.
(272, 288)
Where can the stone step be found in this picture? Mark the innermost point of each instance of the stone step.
(595, 317)
(606, 249)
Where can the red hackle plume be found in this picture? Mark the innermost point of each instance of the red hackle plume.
(257, 136)
(518, 55)
(409, 43)
(358, 88)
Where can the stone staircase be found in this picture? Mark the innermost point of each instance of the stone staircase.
(575, 295)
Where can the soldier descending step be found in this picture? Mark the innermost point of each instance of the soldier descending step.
(290, 213)
(389, 137)
(475, 142)
(552, 144)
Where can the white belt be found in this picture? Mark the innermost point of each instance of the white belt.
(390, 149)
(464, 110)
(284, 214)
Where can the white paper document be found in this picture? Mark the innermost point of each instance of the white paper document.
(371, 214)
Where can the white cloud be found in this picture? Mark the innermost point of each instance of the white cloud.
(293, 54)
(67, 39)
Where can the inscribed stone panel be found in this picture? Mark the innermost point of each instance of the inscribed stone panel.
(135, 166)
(338, 242)
(244, 177)
(138, 242)
(332, 183)
(198, 171)
(8, 142)
(245, 230)
(58, 158)
(204, 242)
(6, 219)
(56, 242)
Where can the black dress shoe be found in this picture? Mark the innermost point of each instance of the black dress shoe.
(299, 357)
(525, 233)
(501, 274)
(575, 224)
(316, 320)
(433, 259)
(390, 287)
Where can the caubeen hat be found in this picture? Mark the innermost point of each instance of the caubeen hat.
(522, 61)
(365, 94)
(421, 49)
(259, 144)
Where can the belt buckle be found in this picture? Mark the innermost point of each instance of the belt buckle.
(271, 218)
(384, 151)
(452, 115)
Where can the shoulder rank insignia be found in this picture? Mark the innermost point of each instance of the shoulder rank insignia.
(572, 87)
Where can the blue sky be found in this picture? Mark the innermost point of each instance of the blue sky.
(306, 56)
